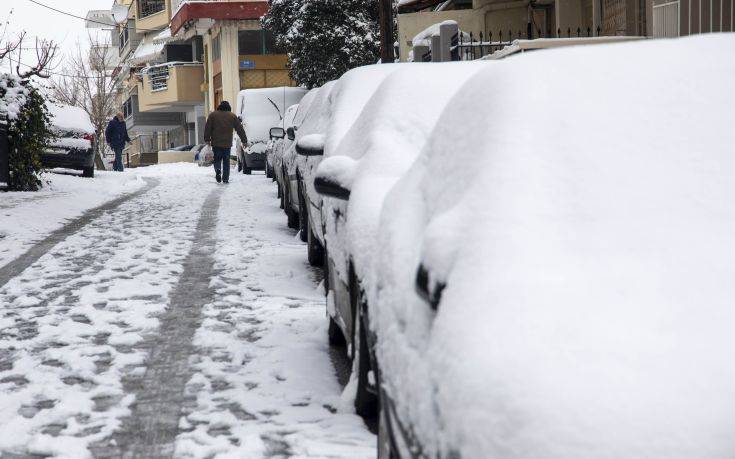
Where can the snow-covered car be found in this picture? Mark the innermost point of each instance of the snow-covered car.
(278, 144)
(564, 288)
(290, 185)
(336, 113)
(73, 145)
(379, 148)
(260, 110)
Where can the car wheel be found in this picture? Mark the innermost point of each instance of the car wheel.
(303, 219)
(268, 171)
(88, 172)
(246, 170)
(366, 399)
(280, 193)
(315, 251)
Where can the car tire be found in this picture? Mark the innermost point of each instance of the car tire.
(281, 199)
(336, 338)
(88, 172)
(303, 219)
(366, 398)
(315, 251)
(246, 170)
(268, 171)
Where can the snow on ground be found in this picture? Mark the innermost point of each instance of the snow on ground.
(78, 327)
(26, 218)
(269, 388)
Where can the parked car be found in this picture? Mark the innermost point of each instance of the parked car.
(336, 114)
(260, 110)
(562, 286)
(290, 192)
(379, 148)
(281, 140)
(73, 147)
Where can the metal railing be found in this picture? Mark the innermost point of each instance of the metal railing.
(150, 7)
(158, 75)
(468, 47)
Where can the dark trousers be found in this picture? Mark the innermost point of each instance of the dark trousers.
(118, 165)
(222, 162)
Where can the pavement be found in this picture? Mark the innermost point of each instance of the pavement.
(180, 320)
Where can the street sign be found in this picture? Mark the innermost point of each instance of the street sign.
(247, 65)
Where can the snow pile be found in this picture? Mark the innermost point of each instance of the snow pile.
(423, 38)
(12, 97)
(68, 118)
(587, 252)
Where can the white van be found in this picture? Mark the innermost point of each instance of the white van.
(260, 110)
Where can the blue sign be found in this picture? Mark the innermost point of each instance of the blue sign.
(247, 65)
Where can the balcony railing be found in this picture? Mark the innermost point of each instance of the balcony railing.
(150, 7)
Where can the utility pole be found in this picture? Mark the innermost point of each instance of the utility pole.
(385, 16)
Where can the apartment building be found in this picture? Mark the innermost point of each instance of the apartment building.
(179, 59)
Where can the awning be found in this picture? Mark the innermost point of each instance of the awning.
(164, 37)
(148, 51)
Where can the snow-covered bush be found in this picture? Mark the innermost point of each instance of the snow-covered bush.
(324, 38)
(23, 110)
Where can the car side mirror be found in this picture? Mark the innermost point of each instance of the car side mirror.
(334, 177)
(431, 292)
(310, 145)
(277, 133)
(291, 134)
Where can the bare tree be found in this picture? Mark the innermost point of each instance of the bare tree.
(45, 51)
(87, 82)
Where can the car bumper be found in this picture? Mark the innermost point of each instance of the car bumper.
(72, 159)
(255, 160)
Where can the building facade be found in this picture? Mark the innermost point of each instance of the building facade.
(179, 59)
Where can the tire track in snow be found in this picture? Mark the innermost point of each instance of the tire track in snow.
(17, 266)
(151, 429)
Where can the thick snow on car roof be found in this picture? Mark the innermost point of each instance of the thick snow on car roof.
(585, 227)
(261, 109)
(68, 118)
(385, 139)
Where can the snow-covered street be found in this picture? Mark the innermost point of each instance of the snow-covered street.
(183, 320)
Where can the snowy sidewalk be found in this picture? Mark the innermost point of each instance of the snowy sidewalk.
(185, 323)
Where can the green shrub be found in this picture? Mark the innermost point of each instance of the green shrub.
(28, 134)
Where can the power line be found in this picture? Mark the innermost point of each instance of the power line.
(53, 73)
(85, 19)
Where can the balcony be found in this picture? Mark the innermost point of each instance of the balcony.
(152, 15)
(128, 39)
(173, 86)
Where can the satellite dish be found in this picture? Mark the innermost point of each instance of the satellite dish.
(120, 13)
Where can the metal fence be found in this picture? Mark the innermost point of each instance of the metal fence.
(158, 77)
(149, 7)
(468, 47)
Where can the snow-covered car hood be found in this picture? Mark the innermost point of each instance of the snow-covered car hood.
(587, 249)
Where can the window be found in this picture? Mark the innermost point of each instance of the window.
(127, 107)
(149, 7)
(124, 36)
(256, 42)
(216, 50)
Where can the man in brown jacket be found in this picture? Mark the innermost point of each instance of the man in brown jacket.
(218, 134)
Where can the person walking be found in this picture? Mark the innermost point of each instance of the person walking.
(218, 134)
(116, 134)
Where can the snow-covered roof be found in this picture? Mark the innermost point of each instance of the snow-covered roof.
(148, 51)
(163, 37)
(68, 118)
